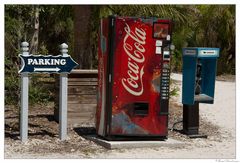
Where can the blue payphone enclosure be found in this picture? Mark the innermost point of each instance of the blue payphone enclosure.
(207, 57)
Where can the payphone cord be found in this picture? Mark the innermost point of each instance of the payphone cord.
(173, 126)
(197, 90)
(198, 87)
(198, 78)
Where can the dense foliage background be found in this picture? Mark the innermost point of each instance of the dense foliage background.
(45, 27)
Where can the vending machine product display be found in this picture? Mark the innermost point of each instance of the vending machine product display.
(133, 78)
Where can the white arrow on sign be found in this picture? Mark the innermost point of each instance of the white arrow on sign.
(47, 69)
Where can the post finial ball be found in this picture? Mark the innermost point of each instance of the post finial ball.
(24, 44)
(24, 48)
(64, 46)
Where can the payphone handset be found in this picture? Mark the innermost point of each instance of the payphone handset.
(199, 72)
(198, 78)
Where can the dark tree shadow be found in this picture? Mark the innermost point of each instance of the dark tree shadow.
(13, 131)
(15, 136)
(84, 131)
(48, 116)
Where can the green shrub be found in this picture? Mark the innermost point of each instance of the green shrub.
(174, 89)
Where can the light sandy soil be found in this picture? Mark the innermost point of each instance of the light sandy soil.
(220, 143)
(221, 113)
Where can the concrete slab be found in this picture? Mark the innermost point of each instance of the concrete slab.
(134, 144)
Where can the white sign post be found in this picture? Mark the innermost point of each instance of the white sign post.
(31, 64)
(63, 98)
(24, 98)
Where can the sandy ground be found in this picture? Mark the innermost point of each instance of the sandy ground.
(221, 113)
(217, 121)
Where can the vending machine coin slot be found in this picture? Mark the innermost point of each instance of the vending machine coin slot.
(166, 55)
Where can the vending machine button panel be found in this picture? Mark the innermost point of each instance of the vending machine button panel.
(165, 78)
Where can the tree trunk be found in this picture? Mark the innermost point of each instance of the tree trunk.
(34, 42)
(82, 33)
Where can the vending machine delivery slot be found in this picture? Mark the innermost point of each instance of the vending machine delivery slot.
(141, 109)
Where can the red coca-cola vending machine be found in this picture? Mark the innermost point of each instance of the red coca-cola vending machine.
(134, 64)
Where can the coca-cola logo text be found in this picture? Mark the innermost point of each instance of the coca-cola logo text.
(136, 59)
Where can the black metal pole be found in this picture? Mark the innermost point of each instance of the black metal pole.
(191, 121)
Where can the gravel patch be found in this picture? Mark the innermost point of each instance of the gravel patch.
(44, 141)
